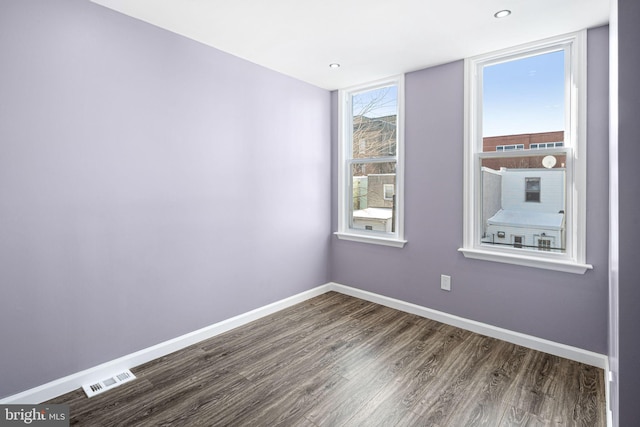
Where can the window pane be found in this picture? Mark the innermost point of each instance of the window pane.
(524, 202)
(523, 97)
(523, 197)
(373, 196)
(374, 123)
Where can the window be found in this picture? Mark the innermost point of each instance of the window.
(371, 171)
(510, 147)
(517, 241)
(544, 244)
(532, 190)
(362, 146)
(546, 145)
(389, 191)
(536, 91)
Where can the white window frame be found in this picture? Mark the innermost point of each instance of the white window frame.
(573, 259)
(345, 151)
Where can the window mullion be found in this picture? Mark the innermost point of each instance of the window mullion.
(372, 160)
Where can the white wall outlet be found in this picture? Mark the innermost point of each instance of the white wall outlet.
(445, 282)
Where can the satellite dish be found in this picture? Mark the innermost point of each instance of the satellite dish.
(549, 162)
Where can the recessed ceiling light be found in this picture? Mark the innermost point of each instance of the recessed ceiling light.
(334, 65)
(502, 13)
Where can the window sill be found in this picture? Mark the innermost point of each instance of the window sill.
(374, 240)
(528, 261)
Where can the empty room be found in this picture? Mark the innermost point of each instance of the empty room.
(356, 213)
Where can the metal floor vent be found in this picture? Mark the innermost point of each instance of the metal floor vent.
(93, 389)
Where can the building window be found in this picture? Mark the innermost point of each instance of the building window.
(546, 145)
(389, 191)
(510, 147)
(544, 244)
(532, 189)
(536, 90)
(370, 173)
(362, 146)
(518, 241)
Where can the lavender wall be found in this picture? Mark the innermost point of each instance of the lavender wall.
(628, 283)
(149, 186)
(562, 307)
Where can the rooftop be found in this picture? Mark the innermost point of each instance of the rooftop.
(527, 219)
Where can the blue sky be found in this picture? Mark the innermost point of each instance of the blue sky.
(524, 96)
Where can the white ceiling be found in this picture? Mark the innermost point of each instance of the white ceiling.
(371, 39)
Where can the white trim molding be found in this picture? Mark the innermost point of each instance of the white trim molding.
(573, 259)
(529, 341)
(72, 382)
(345, 158)
(374, 240)
(528, 261)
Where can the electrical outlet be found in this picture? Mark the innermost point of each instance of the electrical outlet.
(445, 282)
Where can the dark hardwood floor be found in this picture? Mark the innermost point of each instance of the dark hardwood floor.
(336, 360)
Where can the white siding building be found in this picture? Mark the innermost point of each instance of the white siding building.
(551, 189)
(531, 213)
(373, 202)
(378, 219)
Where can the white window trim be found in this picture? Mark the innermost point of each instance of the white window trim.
(345, 129)
(574, 260)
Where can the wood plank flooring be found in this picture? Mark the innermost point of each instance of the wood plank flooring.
(336, 360)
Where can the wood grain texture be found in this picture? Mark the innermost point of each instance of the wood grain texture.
(335, 360)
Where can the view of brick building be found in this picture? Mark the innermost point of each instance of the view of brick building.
(526, 141)
(374, 183)
(523, 200)
(374, 137)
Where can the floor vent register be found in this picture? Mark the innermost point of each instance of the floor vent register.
(93, 389)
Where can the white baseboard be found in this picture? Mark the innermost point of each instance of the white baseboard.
(72, 382)
(607, 393)
(529, 341)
